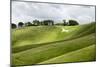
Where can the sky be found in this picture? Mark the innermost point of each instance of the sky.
(29, 11)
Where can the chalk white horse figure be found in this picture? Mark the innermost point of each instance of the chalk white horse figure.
(64, 30)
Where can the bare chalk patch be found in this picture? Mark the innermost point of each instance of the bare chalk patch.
(64, 30)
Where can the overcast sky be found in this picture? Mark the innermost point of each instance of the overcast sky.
(28, 11)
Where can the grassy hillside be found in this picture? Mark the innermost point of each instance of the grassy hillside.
(48, 44)
(84, 54)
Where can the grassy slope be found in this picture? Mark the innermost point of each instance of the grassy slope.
(35, 36)
(33, 52)
(84, 54)
(26, 38)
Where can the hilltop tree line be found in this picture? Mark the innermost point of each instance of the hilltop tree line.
(45, 23)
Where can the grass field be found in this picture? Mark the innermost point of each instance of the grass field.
(49, 44)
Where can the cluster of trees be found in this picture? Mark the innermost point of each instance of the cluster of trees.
(69, 23)
(45, 22)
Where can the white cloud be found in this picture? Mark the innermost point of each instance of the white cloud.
(28, 11)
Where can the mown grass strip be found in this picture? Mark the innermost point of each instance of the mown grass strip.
(84, 54)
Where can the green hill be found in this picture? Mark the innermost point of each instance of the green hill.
(49, 44)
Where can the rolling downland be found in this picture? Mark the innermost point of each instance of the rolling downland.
(48, 44)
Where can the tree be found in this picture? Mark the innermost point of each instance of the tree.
(28, 24)
(20, 24)
(65, 23)
(36, 22)
(72, 22)
(42, 22)
(48, 22)
(13, 26)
